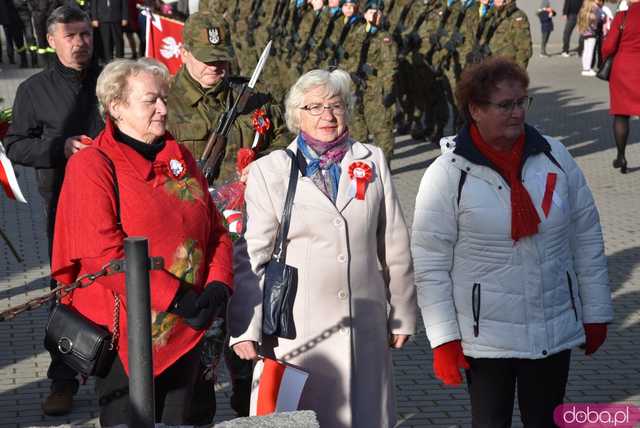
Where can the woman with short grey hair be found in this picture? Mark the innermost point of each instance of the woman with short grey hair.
(349, 242)
(336, 83)
(134, 179)
(112, 85)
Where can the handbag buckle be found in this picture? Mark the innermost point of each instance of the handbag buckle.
(65, 345)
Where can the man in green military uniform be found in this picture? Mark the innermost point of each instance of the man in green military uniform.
(399, 20)
(320, 53)
(371, 57)
(431, 98)
(476, 28)
(512, 35)
(200, 93)
(202, 90)
(452, 44)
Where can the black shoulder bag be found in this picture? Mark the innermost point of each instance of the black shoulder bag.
(77, 341)
(280, 279)
(605, 70)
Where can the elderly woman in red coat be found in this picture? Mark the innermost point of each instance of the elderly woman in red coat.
(624, 82)
(162, 196)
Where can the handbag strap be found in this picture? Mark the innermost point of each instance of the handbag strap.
(283, 230)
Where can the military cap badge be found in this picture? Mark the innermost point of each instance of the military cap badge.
(214, 35)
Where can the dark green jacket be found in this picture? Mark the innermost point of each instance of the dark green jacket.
(194, 113)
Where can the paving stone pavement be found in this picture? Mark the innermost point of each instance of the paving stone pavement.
(566, 106)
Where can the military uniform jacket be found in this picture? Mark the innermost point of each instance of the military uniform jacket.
(512, 36)
(194, 114)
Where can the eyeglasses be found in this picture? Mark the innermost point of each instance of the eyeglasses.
(507, 106)
(317, 109)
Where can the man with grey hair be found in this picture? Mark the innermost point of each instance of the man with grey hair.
(55, 112)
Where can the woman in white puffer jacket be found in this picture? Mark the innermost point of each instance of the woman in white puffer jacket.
(508, 255)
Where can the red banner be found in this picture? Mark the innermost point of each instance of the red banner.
(164, 40)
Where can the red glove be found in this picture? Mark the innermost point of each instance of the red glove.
(448, 359)
(596, 335)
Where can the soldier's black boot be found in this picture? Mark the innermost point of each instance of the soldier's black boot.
(34, 60)
(23, 60)
(12, 59)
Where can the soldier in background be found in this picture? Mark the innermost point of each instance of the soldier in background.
(320, 56)
(110, 17)
(399, 21)
(455, 33)
(311, 34)
(432, 112)
(41, 9)
(201, 92)
(479, 30)
(370, 56)
(512, 35)
(28, 41)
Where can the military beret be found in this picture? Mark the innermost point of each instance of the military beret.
(374, 4)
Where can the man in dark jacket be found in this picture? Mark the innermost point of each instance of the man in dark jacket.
(110, 17)
(570, 13)
(53, 111)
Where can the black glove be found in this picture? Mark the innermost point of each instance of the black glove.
(198, 310)
(214, 297)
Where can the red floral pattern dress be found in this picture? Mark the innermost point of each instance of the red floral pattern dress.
(165, 201)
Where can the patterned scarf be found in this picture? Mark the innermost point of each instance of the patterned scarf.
(323, 161)
(524, 217)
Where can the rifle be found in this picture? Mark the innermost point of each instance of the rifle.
(435, 38)
(412, 41)
(294, 37)
(214, 149)
(325, 43)
(482, 50)
(456, 39)
(309, 43)
(339, 51)
(274, 29)
(253, 22)
(397, 32)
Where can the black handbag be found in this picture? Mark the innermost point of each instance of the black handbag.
(77, 341)
(605, 69)
(80, 343)
(280, 279)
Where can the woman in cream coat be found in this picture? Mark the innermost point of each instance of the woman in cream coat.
(356, 297)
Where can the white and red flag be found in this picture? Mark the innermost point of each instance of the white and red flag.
(164, 40)
(8, 180)
(279, 387)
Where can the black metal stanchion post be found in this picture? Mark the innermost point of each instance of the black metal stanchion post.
(141, 395)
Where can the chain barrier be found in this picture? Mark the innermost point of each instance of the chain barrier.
(62, 290)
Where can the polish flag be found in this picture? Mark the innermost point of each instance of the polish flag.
(164, 40)
(279, 387)
(8, 179)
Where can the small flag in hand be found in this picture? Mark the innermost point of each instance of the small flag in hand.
(279, 387)
(8, 179)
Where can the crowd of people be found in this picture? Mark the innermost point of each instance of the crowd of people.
(505, 260)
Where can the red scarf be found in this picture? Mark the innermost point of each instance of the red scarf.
(524, 217)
